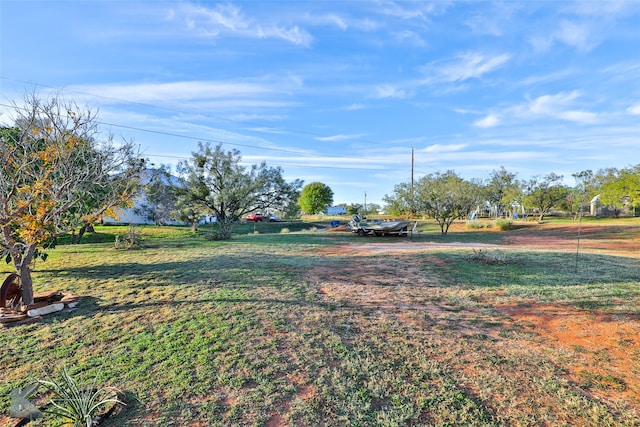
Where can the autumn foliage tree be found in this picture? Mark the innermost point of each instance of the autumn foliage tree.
(55, 176)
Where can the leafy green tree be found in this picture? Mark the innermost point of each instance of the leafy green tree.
(545, 193)
(315, 197)
(621, 187)
(502, 191)
(584, 190)
(188, 210)
(353, 208)
(216, 182)
(372, 208)
(446, 197)
(400, 202)
(54, 177)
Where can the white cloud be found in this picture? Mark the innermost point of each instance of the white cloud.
(444, 148)
(411, 37)
(327, 19)
(559, 106)
(550, 104)
(176, 91)
(579, 35)
(229, 19)
(579, 116)
(339, 137)
(398, 11)
(355, 106)
(497, 20)
(634, 109)
(225, 15)
(388, 91)
(294, 34)
(487, 122)
(465, 66)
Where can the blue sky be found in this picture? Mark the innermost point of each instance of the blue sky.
(342, 91)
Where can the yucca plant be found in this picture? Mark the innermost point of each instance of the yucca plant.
(78, 406)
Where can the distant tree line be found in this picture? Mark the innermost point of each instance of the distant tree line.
(445, 196)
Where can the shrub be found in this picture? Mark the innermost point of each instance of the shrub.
(504, 224)
(131, 240)
(495, 257)
(475, 224)
(78, 405)
(284, 230)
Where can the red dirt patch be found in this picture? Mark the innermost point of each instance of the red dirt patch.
(605, 349)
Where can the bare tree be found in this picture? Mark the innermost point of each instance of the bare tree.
(55, 176)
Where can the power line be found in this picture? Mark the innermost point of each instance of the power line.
(222, 142)
(60, 89)
(159, 132)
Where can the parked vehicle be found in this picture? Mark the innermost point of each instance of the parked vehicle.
(382, 228)
(274, 218)
(255, 217)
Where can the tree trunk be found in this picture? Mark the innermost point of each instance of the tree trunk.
(442, 228)
(22, 267)
(83, 229)
(224, 232)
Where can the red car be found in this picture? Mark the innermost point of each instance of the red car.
(255, 217)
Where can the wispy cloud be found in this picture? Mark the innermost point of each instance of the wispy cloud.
(469, 65)
(584, 31)
(409, 37)
(496, 20)
(339, 137)
(560, 106)
(410, 10)
(389, 91)
(444, 148)
(354, 107)
(223, 19)
(329, 19)
(487, 122)
(634, 109)
(181, 91)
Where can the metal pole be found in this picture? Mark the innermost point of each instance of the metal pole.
(365, 202)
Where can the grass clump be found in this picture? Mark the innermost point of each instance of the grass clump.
(503, 224)
(486, 257)
(475, 224)
(284, 230)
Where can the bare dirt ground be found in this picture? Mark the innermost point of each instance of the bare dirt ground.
(602, 349)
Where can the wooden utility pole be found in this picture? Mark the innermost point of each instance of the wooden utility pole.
(413, 211)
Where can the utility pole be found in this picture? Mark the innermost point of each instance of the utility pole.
(365, 202)
(413, 211)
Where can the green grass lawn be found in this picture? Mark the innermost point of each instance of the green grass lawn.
(275, 328)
